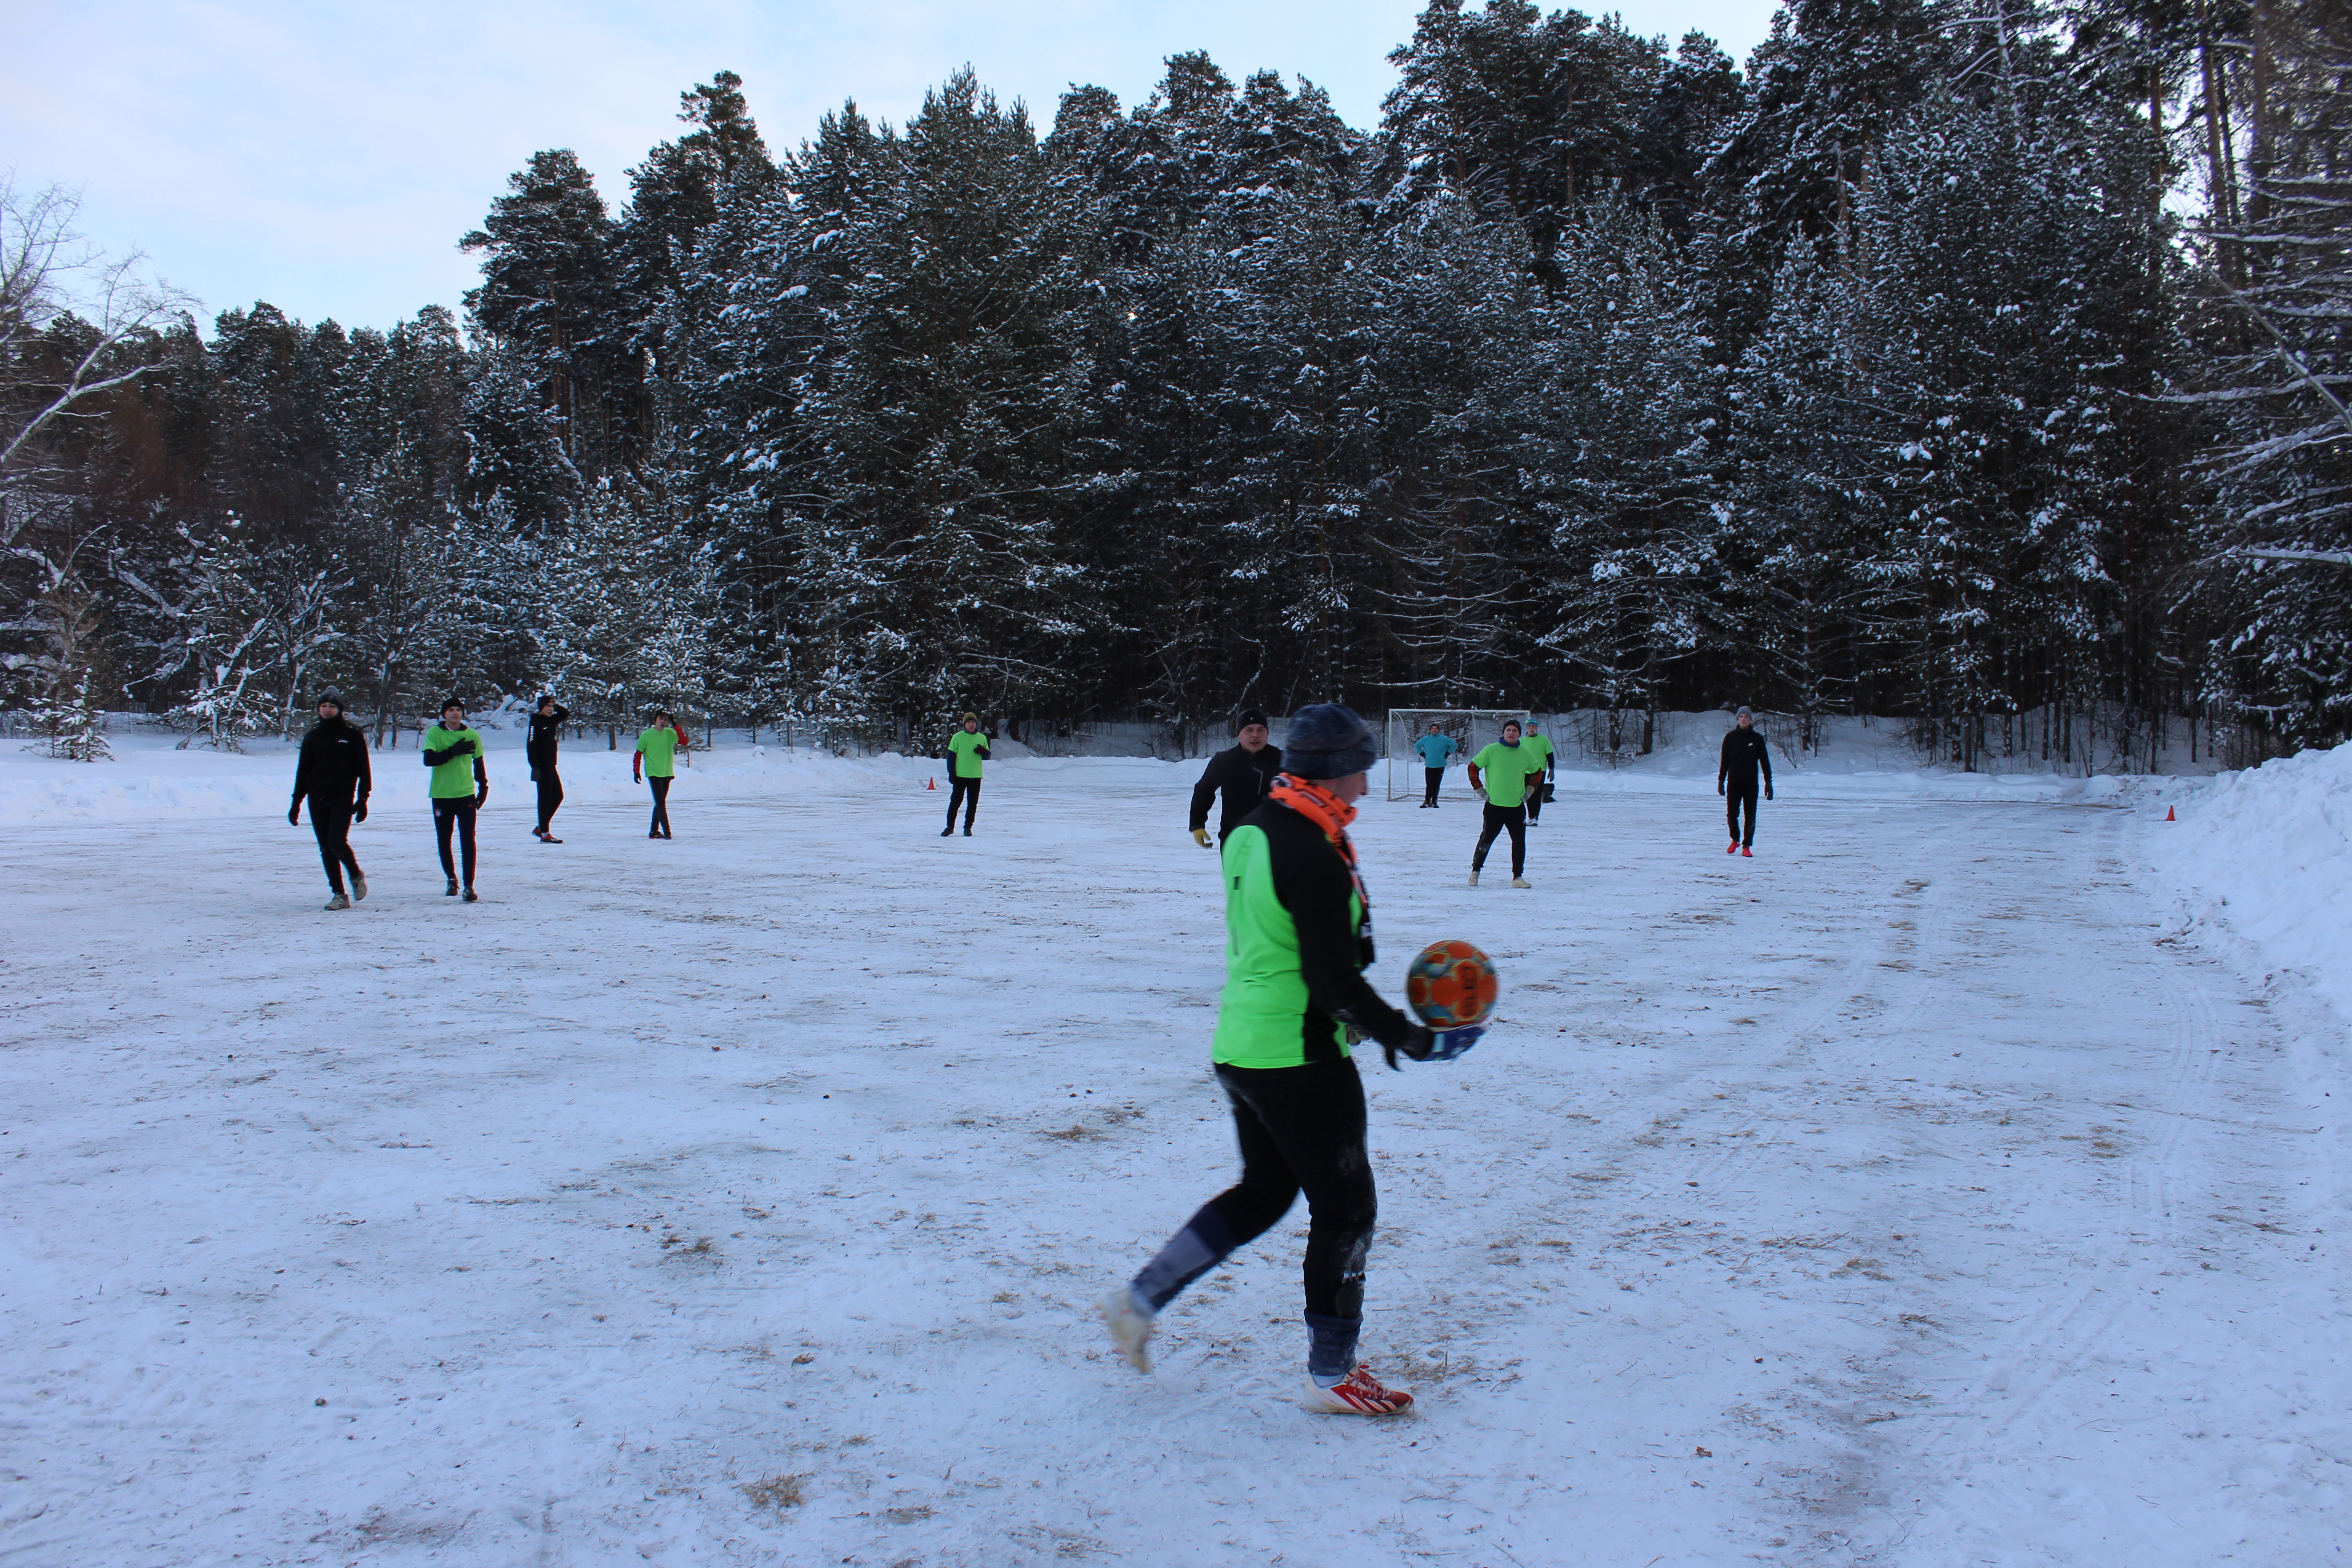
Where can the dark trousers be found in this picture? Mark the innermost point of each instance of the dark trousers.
(964, 793)
(661, 806)
(1735, 795)
(551, 795)
(1430, 779)
(331, 821)
(1536, 800)
(1301, 1129)
(456, 814)
(1497, 819)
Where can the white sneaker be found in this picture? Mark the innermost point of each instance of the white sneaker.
(1360, 1393)
(359, 885)
(1128, 1324)
(1521, 882)
(1473, 878)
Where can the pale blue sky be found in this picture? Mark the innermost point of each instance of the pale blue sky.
(326, 156)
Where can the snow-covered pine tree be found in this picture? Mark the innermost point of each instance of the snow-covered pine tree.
(942, 417)
(1802, 500)
(1632, 502)
(2278, 266)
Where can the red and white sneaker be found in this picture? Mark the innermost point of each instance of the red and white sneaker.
(1734, 847)
(1360, 1393)
(1129, 1326)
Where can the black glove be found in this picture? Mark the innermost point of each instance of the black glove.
(1434, 1045)
(534, 775)
(482, 795)
(981, 752)
(1767, 791)
(359, 812)
(294, 814)
(1719, 786)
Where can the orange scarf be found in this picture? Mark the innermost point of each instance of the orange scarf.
(1326, 811)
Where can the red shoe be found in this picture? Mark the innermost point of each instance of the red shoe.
(1361, 1393)
(1746, 851)
(1734, 848)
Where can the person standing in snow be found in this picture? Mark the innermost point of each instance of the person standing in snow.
(656, 763)
(333, 773)
(967, 750)
(1243, 770)
(546, 731)
(1508, 773)
(1540, 745)
(1298, 938)
(1434, 748)
(460, 783)
(1744, 752)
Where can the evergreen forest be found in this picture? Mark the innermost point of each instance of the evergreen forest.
(1978, 363)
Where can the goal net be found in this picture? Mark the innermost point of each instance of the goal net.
(1470, 728)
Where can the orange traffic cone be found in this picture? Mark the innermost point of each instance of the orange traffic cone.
(931, 784)
(2167, 814)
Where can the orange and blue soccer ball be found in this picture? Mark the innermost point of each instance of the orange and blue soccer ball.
(1450, 985)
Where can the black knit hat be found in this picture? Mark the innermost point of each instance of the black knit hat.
(1327, 741)
(334, 696)
(453, 703)
(1249, 716)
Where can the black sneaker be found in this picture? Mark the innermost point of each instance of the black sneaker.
(451, 891)
(471, 896)
(967, 833)
(948, 829)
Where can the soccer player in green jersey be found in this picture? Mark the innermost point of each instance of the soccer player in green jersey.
(967, 750)
(1299, 937)
(1509, 772)
(656, 764)
(452, 749)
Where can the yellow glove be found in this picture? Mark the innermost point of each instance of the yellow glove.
(1201, 837)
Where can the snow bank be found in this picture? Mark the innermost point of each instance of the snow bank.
(2266, 856)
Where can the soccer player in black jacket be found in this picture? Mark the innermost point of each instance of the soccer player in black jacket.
(1744, 752)
(1245, 772)
(546, 729)
(333, 773)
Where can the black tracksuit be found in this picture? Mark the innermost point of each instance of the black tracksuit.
(1244, 776)
(1744, 752)
(546, 731)
(333, 771)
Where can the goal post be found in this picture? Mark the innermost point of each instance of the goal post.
(1470, 728)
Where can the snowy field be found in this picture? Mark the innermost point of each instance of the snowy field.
(1958, 1181)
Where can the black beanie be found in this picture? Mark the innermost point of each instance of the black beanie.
(1249, 716)
(334, 696)
(1327, 741)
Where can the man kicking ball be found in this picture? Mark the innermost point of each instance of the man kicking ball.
(1298, 936)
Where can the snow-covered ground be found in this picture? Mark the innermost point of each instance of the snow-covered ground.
(1959, 1182)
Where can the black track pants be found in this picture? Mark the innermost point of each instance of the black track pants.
(1733, 797)
(550, 796)
(964, 793)
(458, 814)
(661, 805)
(1535, 802)
(1430, 779)
(1301, 1129)
(331, 821)
(1497, 819)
